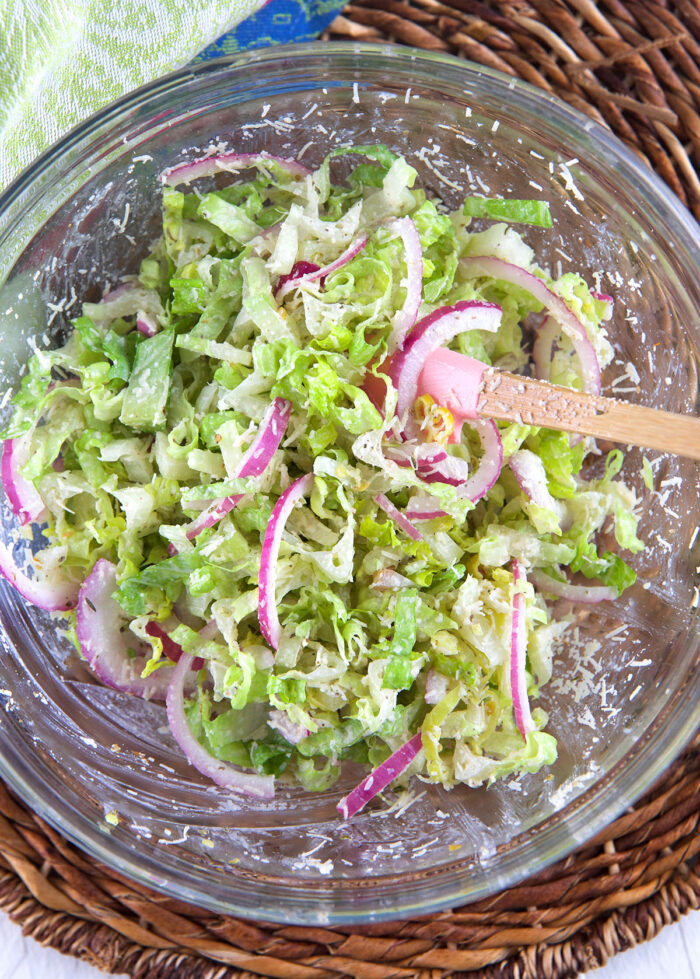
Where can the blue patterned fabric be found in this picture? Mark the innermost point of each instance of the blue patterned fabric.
(278, 22)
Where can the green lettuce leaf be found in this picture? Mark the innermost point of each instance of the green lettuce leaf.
(509, 209)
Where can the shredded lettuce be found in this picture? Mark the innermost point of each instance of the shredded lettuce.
(518, 211)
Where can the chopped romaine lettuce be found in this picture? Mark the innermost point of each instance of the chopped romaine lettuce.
(509, 209)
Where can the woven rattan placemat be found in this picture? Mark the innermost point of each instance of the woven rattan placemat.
(636, 67)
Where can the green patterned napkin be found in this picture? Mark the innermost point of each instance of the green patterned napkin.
(61, 60)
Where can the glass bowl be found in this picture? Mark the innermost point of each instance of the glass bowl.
(100, 765)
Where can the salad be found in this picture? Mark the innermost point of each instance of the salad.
(250, 511)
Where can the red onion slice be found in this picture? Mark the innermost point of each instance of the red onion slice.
(399, 519)
(518, 651)
(261, 450)
(430, 462)
(428, 334)
(405, 318)
(434, 465)
(146, 324)
(254, 462)
(425, 455)
(299, 270)
(425, 514)
(380, 777)
(207, 166)
(212, 515)
(172, 649)
(497, 268)
(267, 607)
(424, 506)
(99, 628)
(587, 594)
(50, 595)
(21, 494)
(490, 464)
(529, 471)
(449, 469)
(353, 249)
(225, 775)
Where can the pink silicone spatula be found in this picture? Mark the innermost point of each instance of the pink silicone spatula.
(471, 389)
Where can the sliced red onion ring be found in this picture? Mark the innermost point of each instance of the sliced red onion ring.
(299, 270)
(146, 324)
(99, 628)
(405, 318)
(587, 594)
(497, 268)
(261, 450)
(380, 777)
(435, 687)
(403, 522)
(436, 466)
(428, 334)
(449, 469)
(529, 471)
(425, 514)
(428, 454)
(225, 775)
(389, 580)
(403, 454)
(278, 720)
(518, 651)
(431, 462)
(267, 607)
(53, 595)
(424, 506)
(206, 166)
(21, 494)
(211, 516)
(172, 649)
(490, 464)
(255, 461)
(353, 249)
(546, 336)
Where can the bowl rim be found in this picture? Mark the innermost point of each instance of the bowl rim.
(593, 811)
(23, 180)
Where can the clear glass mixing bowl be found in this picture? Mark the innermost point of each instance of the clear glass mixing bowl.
(625, 695)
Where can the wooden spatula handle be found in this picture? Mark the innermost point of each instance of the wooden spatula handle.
(521, 399)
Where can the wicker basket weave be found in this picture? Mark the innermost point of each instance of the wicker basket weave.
(636, 67)
(632, 65)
